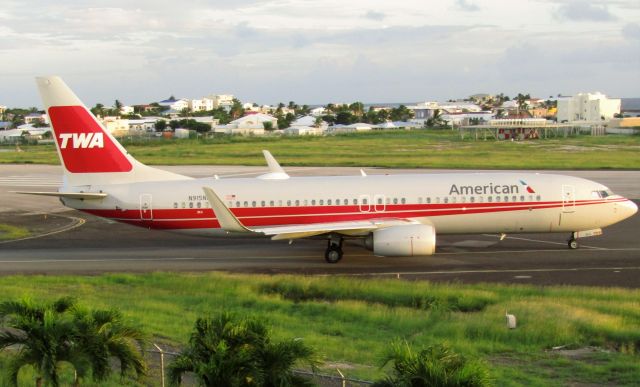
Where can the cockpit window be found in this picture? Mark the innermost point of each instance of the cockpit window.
(601, 194)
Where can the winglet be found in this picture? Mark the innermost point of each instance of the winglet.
(275, 170)
(227, 220)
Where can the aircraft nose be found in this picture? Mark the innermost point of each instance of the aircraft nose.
(629, 208)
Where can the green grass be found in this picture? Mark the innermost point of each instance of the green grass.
(8, 232)
(352, 321)
(394, 149)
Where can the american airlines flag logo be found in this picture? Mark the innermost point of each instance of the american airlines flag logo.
(529, 189)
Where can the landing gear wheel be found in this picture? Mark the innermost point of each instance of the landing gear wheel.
(573, 244)
(333, 254)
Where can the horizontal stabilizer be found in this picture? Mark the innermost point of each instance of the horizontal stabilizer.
(67, 195)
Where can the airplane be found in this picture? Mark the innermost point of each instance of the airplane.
(394, 215)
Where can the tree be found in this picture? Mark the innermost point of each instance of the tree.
(437, 365)
(237, 110)
(160, 125)
(345, 118)
(268, 125)
(118, 105)
(98, 110)
(104, 335)
(44, 334)
(435, 120)
(50, 334)
(227, 351)
(401, 113)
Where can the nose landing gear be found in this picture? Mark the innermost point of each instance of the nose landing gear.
(573, 242)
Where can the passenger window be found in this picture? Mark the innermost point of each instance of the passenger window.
(530, 198)
(379, 200)
(199, 205)
(538, 198)
(464, 199)
(253, 203)
(514, 198)
(190, 204)
(329, 202)
(403, 200)
(313, 202)
(472, 199)
(271, 203)
(395, 200)
(262, 203)
(237, 204)
(364, 201)
(497, 198)
(355, 201)
(175, 204)
(245, 204)
(506, 198)
(420, 200)
(522, 198)
(288, 203)
(489, 199)
(446, 200)
(322, 202)
(305, 202)
(297, 203)
(184, 205)
(429, 200)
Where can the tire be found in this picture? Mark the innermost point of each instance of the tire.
(573, 244)
(333, 255)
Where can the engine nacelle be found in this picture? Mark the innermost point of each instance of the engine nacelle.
(403, 241)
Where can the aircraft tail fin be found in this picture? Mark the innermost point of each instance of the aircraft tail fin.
(89, 154)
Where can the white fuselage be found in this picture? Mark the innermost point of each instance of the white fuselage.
(452, 203)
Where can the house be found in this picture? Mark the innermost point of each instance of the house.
(587, 107)
(424, 110)
(33, 118)
(2, 110)
(126, 110)
(143, 125)
(115, 125)
(5, 125)
(309, 121)
(201, 105)
(224, 101)
(253, 124)
(304, 131)
(175, 104)
(319, 111)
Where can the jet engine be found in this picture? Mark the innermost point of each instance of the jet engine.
(403, 241)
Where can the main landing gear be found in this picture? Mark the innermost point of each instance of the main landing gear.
(573, 242)
(334, 253)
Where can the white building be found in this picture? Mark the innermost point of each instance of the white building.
(201, 105)
(175, 104)
(2, 110)
(304, 131)
(252, 124)
(142, 125)
(126, 110)
(33, 118)
(587, 107)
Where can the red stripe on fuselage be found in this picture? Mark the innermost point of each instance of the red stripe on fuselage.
(170, 219)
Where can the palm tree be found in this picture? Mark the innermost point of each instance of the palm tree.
(44, 336)
(104, 335)
(436, 365)
(227, 351)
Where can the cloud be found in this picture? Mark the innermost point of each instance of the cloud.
(467, 5)
(585, 10)
(631, 31)
(374, 15)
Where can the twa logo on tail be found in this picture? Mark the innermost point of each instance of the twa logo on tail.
(82, 140)
(83, 144)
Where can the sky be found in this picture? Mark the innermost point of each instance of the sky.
(316, 52)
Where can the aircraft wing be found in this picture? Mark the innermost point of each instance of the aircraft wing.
(229, 222)
(68, 195)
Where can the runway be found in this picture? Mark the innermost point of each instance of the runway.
(98, 246)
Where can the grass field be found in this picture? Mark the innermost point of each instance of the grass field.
(351, 321)
(394, 149)
(9, 232)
